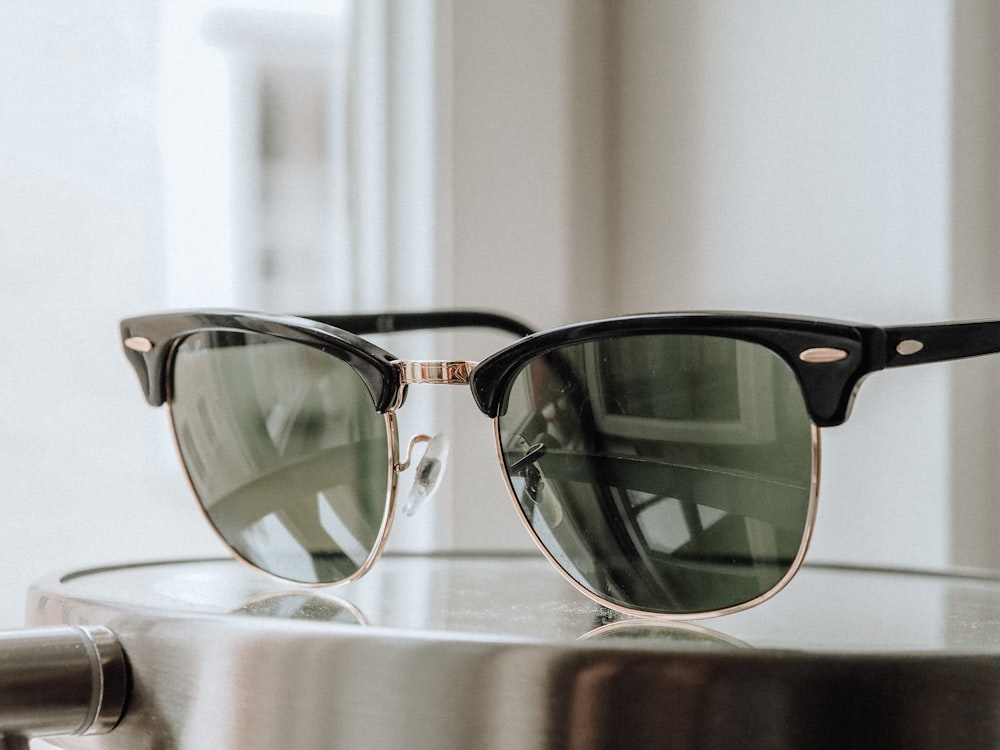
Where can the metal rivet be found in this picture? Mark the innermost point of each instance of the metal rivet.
(909, 346)
(823, 355)
(138, 344)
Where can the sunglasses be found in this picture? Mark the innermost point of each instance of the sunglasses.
(666, 464)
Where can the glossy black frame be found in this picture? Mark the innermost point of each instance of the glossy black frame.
(337, 335)
(829, 358)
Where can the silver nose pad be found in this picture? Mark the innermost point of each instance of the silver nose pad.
(429, 471)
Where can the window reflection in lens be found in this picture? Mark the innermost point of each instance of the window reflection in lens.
(667, 473)
(285, 451)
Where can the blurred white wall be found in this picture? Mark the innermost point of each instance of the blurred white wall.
(591, 158)
(80, 244)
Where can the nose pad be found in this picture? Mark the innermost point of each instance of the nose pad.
(429, 472)
(542, 494)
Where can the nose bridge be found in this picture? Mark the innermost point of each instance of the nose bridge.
(435, 372)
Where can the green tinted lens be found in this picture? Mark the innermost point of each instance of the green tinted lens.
(663, 473)
(285, 451)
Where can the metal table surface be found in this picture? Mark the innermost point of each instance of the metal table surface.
(483, 651)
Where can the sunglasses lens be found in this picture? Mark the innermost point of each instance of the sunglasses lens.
(285, 450)
(664, 473)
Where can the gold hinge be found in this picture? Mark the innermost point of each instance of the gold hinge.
(435, 372)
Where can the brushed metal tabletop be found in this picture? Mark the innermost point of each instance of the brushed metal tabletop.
(497, 651)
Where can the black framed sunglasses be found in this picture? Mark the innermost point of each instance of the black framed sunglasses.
(666, 464)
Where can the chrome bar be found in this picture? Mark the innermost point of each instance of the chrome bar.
(60, 680)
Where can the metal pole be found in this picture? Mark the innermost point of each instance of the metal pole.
(60, 680)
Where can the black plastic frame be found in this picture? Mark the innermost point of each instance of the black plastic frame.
(828, 387)
(336, 335)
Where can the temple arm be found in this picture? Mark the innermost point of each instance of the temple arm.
(391, 322)
(914, 345)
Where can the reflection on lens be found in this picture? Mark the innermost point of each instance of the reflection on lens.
(663, 473)
(285, 451)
